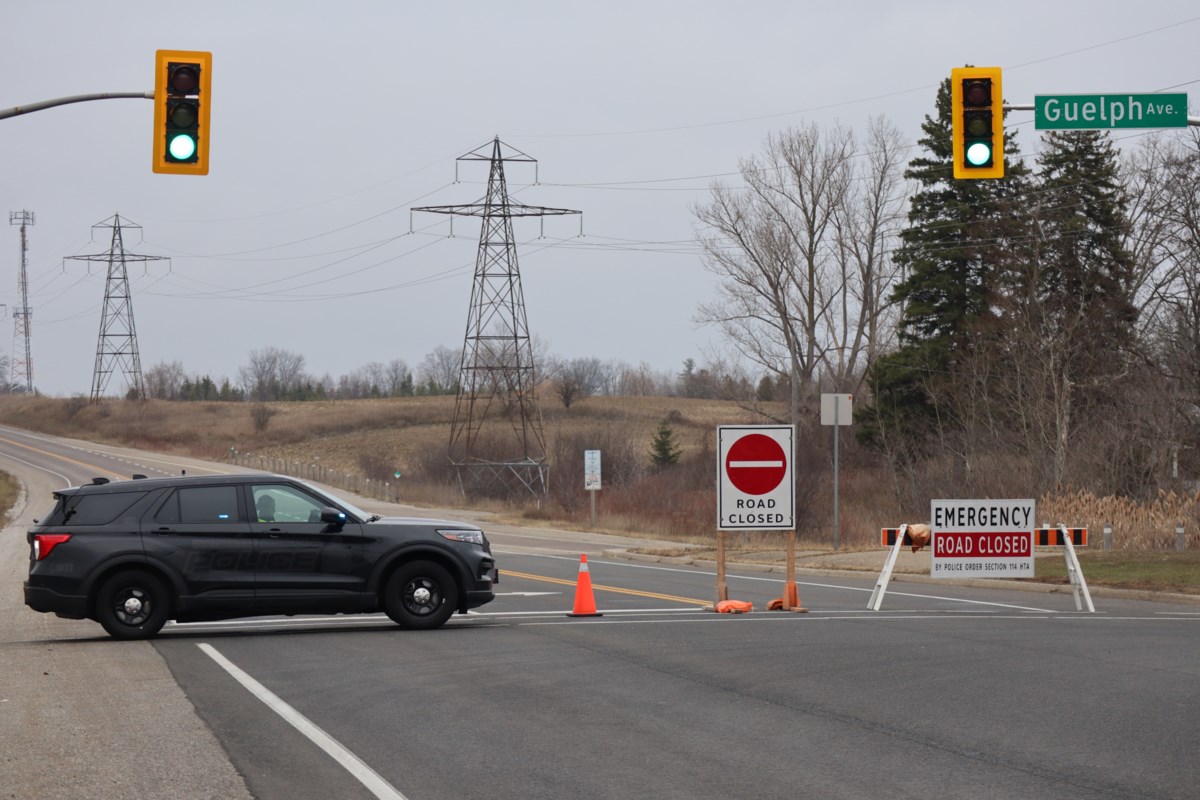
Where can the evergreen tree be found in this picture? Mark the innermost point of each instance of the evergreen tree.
(1084, 275)
(962, 239)
(663, 450)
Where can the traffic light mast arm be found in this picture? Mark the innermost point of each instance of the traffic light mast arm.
(62, 101)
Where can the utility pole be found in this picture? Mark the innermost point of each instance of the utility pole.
(117, 348)
(22, 358)
(497, 374)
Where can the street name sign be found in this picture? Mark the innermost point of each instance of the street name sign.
(981, 538)
(755, 485)
(1056, 112)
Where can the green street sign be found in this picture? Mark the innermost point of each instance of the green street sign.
(1058, 112)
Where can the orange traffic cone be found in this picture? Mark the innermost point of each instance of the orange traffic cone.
(585, 603)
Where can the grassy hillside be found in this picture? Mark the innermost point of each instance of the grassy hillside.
(373, 438)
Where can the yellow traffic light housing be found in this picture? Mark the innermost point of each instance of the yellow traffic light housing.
(977, 122)
(182, 104)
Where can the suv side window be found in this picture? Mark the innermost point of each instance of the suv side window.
(200, 505)
(92, 509)
(276, 502)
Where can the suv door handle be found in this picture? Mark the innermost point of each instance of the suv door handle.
(163, 530)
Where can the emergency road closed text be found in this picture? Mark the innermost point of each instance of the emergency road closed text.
(977, 544)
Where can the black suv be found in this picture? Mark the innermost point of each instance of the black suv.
(133, 554)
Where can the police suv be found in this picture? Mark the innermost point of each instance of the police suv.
(133, 554)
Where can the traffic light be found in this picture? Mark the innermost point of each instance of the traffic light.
(977, 103)
(182, 103)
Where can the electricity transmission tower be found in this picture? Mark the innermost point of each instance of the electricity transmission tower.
(497, 375)
(117, 347)
(22, 358)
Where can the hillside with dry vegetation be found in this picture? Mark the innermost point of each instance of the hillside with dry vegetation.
(373, 438)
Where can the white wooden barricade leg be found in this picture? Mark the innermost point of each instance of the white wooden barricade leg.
(1075, 572)
(884, 577)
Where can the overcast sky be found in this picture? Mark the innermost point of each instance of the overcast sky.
(331, 120)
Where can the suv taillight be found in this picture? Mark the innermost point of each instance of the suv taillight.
(43, 543)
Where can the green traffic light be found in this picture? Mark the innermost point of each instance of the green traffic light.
(979, 154)
(181, 147)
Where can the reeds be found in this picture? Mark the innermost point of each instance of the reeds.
(1136, 525)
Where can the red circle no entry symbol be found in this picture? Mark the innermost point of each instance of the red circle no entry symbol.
(756, 464)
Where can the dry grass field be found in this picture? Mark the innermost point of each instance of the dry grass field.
(373, 438)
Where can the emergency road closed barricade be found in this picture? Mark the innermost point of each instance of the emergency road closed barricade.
(983, 539)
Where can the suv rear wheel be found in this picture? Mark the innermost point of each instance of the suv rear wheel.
(132, 605)
(420, 595)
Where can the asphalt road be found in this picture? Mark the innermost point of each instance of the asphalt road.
(948, 692)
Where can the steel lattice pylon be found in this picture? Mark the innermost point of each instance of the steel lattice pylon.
(117, 347)
(497, 375)
(21, 376)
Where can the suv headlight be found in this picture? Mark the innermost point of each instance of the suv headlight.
(471, 537)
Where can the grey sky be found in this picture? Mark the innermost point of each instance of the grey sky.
(330, 120)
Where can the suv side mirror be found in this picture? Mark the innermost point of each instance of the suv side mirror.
(332, 516)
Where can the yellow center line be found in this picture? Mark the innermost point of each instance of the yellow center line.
(614, 589)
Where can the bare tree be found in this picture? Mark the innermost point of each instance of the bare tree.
(376, 377)
(863, 316)
(272, 374)
(802, 253)
(395, 375)
(577, 378)
(438, 373)
(165, 380)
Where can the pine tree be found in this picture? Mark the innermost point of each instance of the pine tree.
(961, 242)
(1084, 279)
(663, 450)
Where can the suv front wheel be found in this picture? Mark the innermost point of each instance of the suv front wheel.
(420, 595)
(132, 605)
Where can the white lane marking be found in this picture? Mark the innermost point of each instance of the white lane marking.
(368, 777)
(375, 620)
(66, 480)
(645, 615)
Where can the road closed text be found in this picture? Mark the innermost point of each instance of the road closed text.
(755, 511)
(976, 544)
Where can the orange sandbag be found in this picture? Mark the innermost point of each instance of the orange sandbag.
(920, 535)
(734, 607)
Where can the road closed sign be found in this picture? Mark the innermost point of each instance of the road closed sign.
(755, 485)
(982, 538)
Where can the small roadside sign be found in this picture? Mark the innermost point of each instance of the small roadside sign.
(591, 470)
(755, 487)
(837, 409)
(982, 538)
